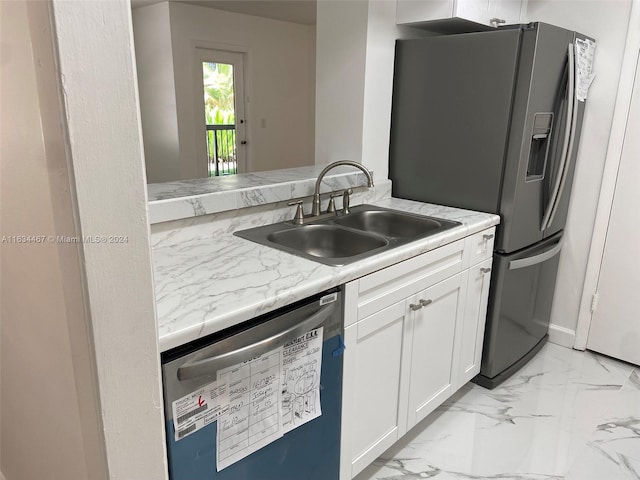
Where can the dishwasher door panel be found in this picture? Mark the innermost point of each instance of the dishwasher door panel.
(311, 451)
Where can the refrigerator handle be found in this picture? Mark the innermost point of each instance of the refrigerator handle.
(563, 168)
(536, 259)
(574, 122)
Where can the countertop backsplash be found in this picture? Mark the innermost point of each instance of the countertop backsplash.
(185, 230)
(203, 196)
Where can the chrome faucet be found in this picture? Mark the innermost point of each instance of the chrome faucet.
(316, 193)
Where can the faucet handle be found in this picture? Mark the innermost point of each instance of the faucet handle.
(298, 218)
(345, 200)
(331, 208)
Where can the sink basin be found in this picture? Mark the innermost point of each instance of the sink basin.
(390, 223)
(339, 239)
(327, 241)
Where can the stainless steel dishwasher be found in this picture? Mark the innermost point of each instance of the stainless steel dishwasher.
(312, 450)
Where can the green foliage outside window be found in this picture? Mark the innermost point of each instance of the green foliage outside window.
(218, 93)
(220, 110)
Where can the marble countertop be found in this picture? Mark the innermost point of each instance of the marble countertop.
(208, 284)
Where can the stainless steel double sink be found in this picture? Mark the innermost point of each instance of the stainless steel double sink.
(339, 239)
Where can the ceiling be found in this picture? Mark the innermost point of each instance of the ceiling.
(296, 11)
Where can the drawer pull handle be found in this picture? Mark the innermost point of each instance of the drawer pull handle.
(424, 303)
(415, 306)
(485, 270)
(487, 237)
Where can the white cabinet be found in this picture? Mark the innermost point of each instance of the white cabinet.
(490, 13)
(377, 376)
(436, 311)
(471, 328)
(413, 337)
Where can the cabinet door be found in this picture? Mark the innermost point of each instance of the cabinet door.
(471, 328)
(507, 12)
(410, 11)
(474, 10)
(374, 387)
(479, 11)
(492, 13)
(435, 312)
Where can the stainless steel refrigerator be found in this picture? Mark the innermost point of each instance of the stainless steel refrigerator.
(491, 121)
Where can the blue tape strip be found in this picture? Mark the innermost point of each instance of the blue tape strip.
(341, 347)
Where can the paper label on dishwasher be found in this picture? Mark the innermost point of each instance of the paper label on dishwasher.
(253, 418)
(301, 362)
(199, 408)
(269, 395)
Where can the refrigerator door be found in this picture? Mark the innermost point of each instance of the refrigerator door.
(538, 137)
(556, 213)
(450, 118)
(521, 294)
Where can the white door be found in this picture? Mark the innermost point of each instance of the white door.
(220, 110)
(615, 325)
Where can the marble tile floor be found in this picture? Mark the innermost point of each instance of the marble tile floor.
(566, 415)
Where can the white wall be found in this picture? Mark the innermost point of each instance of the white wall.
(355, 58)
(51, 425)
(382, 33)
(97, 67)
(607, 22)
(157, 92)
(279, 81)
(378, 85)
(340, 70)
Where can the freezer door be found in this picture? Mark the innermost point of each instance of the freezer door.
(521, 294)
(450, 118)
(538, 136)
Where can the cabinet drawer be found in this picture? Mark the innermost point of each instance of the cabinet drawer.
(386, 287)
(479, 246)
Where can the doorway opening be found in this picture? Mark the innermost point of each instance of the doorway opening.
(223, 106)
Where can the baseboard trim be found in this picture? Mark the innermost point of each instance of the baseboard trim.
(562, 336)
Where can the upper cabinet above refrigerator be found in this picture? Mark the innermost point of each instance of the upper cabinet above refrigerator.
(459, 16)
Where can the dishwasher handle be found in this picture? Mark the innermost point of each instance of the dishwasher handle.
(245, 346)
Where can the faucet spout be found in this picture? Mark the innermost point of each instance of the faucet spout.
(316, 193)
